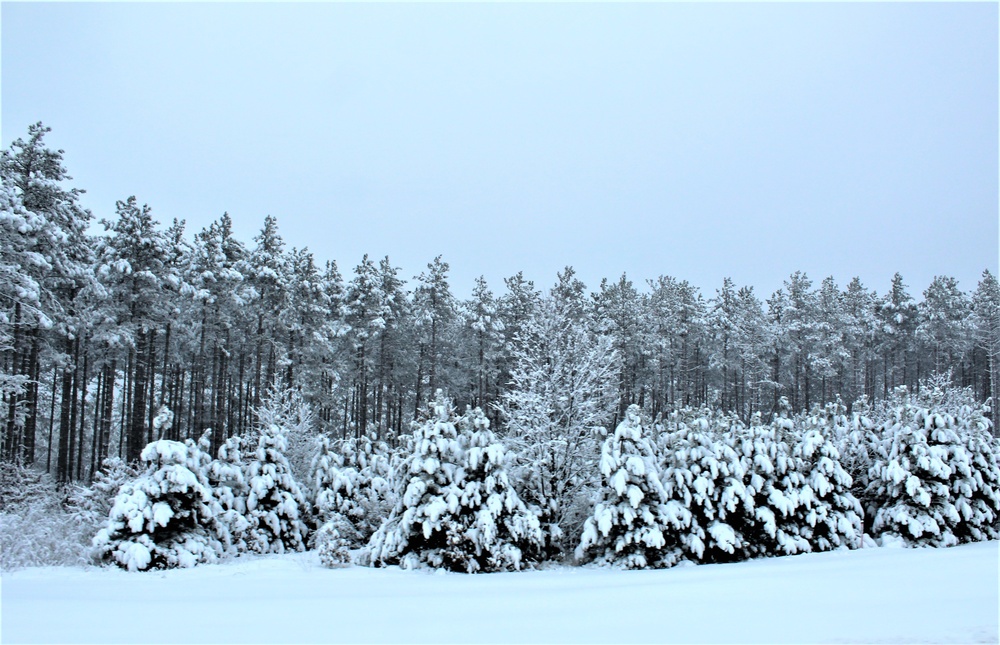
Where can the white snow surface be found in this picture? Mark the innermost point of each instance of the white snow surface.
(872, 595)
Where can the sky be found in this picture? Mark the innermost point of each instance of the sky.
(694, 140)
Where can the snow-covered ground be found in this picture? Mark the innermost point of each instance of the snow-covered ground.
(872, 595)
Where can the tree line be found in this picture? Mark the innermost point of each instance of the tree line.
(110, 340)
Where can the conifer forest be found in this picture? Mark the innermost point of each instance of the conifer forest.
(179, 397)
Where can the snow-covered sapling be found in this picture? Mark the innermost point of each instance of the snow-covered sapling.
(166, 517)
(633, 518)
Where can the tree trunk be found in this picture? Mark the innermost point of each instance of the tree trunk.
(137, 429)
(52, 420)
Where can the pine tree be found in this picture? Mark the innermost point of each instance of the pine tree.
(633, 519)
(913, 483)
(897, 315)
(484, 332)
(435, 314)
(986, 307)
(47, 258)
(617, 310)
(705, 475)
(860, 311)
(502, 531)
(943, 328)
(274, 501)
(267, 273)
(419, 528)
(353, 488)
(456, 509)
(226, 477)
(773, 486)
(135, 263)
(166, 517)
(830, 515)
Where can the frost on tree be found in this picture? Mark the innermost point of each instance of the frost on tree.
(502, 529)
(351, 479)
(860, 446)
(561, 395)
(456, 508)
(633, 519)
(978, 494)
(976, 491)
(165, 517)
(274, 500)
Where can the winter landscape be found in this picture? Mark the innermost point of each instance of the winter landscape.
(211, 431)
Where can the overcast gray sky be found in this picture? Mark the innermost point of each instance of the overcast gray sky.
(699, 141)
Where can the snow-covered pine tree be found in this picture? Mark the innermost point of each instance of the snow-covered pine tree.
(830, 515)
(975, 484)
(166, 517)
(325, 467)
(456, 509)
(274, 501)
(766, 462)
(502, 531)
(483, 336)
(335, 532)
(978, 494)
(913, 483)
(704, 473)
(860, 446)
(418, 530)
(225, 475)
(633, 519)
(353, 494)
(788, 497)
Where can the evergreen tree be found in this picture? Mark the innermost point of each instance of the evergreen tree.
(136, 264)
(986, 306)
(267, 274)
(618, 307)
(47, 265)
(484, 333)
(434, 317)
(166, 517)
(633, 518)
(456, 508)
(897, 314)
(943, 329)
(274, 501)
(705, 475)
(353, 488)
(913, 483)
(830, 515)
(226, 476)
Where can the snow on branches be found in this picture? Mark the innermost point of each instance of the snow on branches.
(456, 508)
(166, 517)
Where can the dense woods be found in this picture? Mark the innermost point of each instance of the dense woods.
(215, 397)
(119, 330)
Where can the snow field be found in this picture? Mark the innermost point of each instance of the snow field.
(873, 595)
